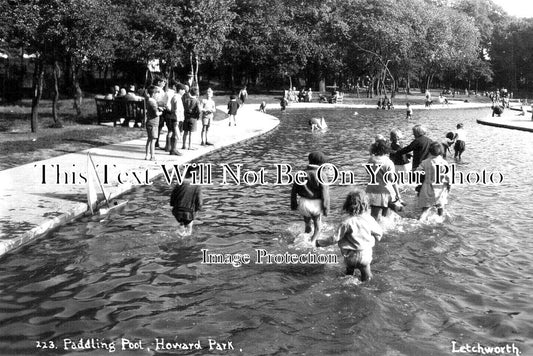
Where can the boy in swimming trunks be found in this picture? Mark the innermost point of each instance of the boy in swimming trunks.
(312, 199)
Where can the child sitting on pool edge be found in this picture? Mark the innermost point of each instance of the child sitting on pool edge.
(313, 201)
(186, 201)
(357, 235)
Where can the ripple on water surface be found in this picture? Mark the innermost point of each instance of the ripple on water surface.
(131, 275)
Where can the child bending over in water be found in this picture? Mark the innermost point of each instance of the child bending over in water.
(318, 123)
(357, 234)
(450, 140)
(460, 141)
(434, 192)
(313, 201)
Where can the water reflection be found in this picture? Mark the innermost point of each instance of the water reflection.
(132, 276)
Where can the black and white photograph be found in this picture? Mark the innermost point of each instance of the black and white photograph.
(266, 178)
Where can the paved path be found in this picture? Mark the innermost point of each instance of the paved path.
(36, 199)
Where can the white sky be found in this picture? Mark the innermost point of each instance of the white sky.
(519, 8)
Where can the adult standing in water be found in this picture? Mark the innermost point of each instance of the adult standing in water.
(419, 146)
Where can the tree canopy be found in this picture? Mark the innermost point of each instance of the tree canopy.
(380, 44)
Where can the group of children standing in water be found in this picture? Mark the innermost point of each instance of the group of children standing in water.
(358, 232)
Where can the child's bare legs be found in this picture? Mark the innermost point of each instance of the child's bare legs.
(147, 155)
(317, 222)
(185, 135)
(307, 221)
(150, 147)
(188, 229)
(376, 211)
(366, 274)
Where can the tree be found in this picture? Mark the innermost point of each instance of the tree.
(205, 25)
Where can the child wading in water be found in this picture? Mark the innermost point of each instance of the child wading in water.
(313, 199)
(186, 201)
(434, 192)
(357, 234)
(460, 141)
(381, 193)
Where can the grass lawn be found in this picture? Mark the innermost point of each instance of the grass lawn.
(18, 145)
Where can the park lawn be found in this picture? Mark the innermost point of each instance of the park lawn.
(18, 145)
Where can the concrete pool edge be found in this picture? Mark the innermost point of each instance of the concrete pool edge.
(31, 210)
(511, 122)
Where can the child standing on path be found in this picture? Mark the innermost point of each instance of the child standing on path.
(460, 141)
(436, 186)
(233, 106)
(191, 107)
(357, 235)
(153, 112)
(186, 201)
(243, 95)
(208, 111)
(312, 198)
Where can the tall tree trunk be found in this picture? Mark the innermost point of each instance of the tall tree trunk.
(56, 73)
(408, 84)
(38, 76)
(196, 84)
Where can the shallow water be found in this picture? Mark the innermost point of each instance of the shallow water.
(130, 275)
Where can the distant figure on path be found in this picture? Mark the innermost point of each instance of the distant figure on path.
(408, 111)
(153, 112)
(208, 112)
(233, 107)
(243, 95)
(262, 107)
(192, 112)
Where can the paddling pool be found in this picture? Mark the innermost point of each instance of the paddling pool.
(129, 280)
